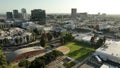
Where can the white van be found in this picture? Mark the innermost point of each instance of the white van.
(98, 59)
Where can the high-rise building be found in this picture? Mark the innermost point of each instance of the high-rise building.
(24, 13)
(73, 13)
(38, 15)
(15, 14)
(9, 15)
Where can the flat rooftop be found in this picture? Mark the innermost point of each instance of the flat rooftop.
(105, 65)
(111, 48)
(111, 51)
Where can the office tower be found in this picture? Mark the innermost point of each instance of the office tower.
(38, 15)
(9, 15)
(24, 13)
(15, 14)
(73, 13)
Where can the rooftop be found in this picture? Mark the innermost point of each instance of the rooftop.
(13, 32)
(111, 48)
(13, 54)
(111, 51)
(107, 66)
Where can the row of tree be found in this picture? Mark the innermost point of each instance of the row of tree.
(44, 38)
(40, 62)
(40, 32)
(47, 37)
(3, 61)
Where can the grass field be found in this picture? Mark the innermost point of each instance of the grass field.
(79, 50)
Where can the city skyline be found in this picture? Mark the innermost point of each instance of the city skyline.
(62, 6)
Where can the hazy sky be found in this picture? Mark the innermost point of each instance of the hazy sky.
(63, 6)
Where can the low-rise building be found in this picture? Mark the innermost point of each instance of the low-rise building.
(15, 36)
(109, 52)
(6, 25)
(105, 65)
(31, 26)
(70, 26)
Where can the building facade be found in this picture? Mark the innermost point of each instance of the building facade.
(9, 15)
(24, 13)
(39, 16)
(15, 36)
(73, 13)
(15, 14)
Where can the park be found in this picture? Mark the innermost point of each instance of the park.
(79, 50)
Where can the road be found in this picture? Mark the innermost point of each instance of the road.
(34, 43)
(13, 48)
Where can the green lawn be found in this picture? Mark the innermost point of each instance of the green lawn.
(79, 50)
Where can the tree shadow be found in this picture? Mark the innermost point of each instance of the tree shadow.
(83, 56)
(79, 52)
(82, 52)
(83, 44)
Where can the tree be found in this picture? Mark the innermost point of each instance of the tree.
(92, 41)
(36, 31)
(16, 40)
(99, 42)
(3, 61)
(42, 42)
(34, 35)
(104, 39)
(57, 53)
(62, 40)
(40, 62)
(97, 27)
(49, 36)
(37, 63)
(44, 35)
(20, 40)
(1, 46)
(27, 38)
(5, 41)
(24, 63)
(56, 34)
(68, 37)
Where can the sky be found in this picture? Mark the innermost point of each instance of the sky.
(62, 6)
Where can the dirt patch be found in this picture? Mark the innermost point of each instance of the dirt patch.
(63, 49)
